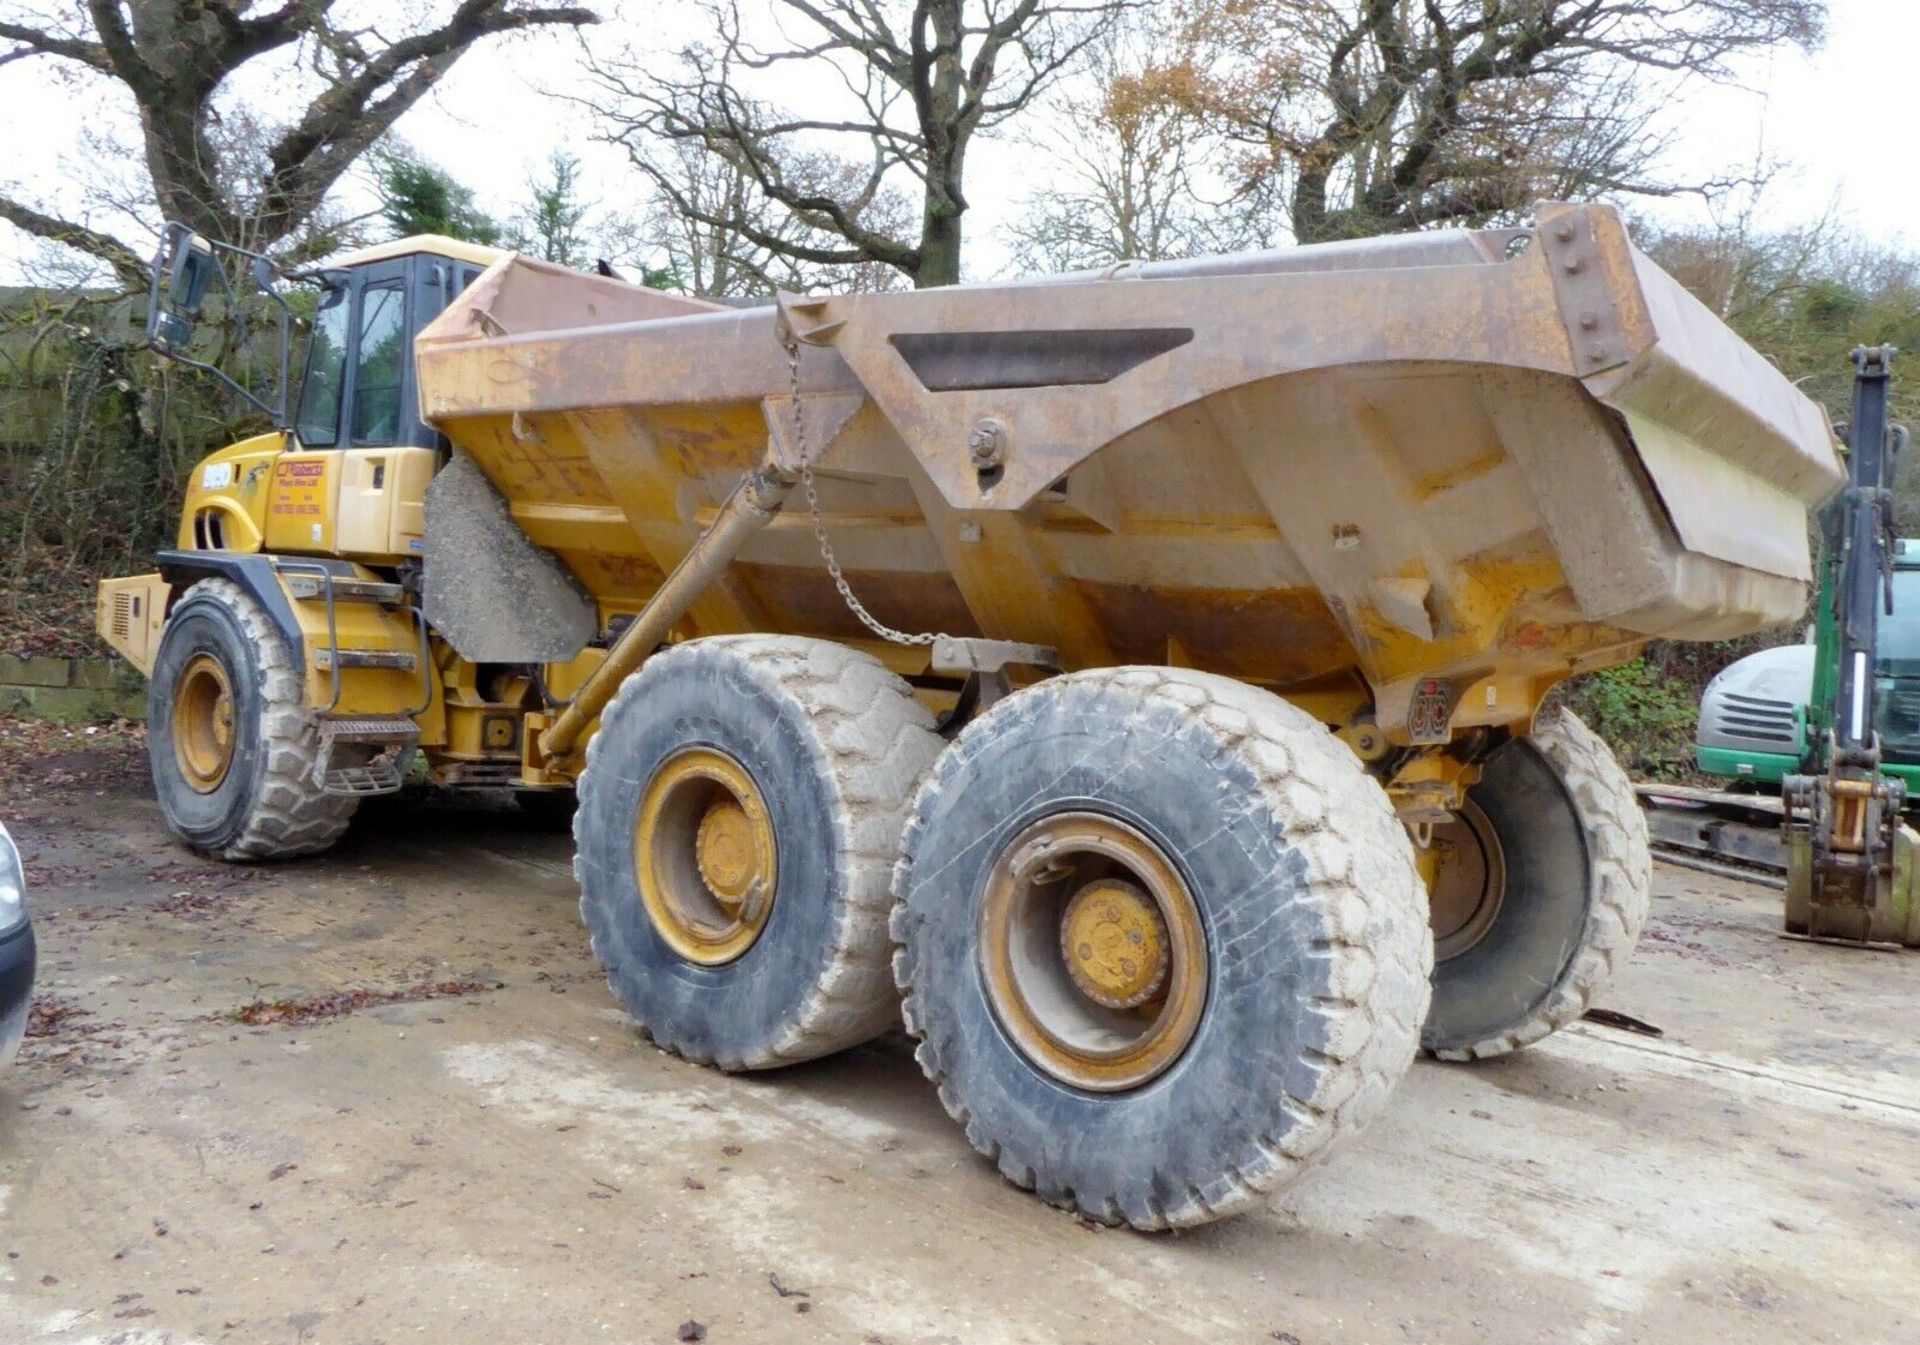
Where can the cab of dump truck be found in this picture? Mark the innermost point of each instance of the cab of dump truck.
(318, 522)
(357, 389)
(354, 396)
(355, 392)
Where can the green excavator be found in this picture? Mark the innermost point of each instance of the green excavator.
(1844, 754)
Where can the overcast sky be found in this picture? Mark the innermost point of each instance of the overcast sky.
(1843, 119)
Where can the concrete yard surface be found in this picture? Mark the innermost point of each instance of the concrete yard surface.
(385, 1096)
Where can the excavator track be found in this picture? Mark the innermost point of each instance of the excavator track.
(1733, 835)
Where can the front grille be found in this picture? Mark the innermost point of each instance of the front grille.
(1756, 718)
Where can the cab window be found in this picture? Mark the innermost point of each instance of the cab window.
(318, 423)
(376, 383)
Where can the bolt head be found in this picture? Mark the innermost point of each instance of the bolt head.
(987, 443)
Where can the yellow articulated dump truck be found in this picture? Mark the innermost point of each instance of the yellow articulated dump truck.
(1135, 678)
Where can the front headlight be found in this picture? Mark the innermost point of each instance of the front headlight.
(13, 883)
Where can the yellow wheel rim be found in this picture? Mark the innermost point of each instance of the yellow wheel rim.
(703, 852)
(1466, 873)
(203, 723)
(1092, 952)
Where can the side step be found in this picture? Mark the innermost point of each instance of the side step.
(306, 586)
(366, 658)
(393, 739)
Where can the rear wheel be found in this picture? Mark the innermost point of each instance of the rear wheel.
(229, 741)
(739, 818)
(1539, 891)
(1162, 941)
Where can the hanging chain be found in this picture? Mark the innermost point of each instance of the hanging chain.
(854, 605)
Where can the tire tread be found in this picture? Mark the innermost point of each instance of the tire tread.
(878, 740)
(289, 815)
(1382, 964)
(1621, 861)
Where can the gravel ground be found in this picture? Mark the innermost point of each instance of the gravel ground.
(384, 1096)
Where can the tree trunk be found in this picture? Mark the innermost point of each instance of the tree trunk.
(1309, 210)
(939, 251)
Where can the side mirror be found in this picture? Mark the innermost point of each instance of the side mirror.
(189, 272)
(185, 268)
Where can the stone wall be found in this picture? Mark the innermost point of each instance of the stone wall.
(71, 690)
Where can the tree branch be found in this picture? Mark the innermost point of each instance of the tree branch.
(126, 263)
(35, 42)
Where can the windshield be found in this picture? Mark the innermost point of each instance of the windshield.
(318, 423)
(1899, 647)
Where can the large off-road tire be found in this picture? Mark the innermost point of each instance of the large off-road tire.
(1281, 883)
(1560, 822)
(811, 750)
(229, 741)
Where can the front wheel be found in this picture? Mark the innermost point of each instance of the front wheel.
(1162, 940)
(230, 744)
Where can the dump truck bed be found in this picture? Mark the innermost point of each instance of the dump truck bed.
(1477, 459)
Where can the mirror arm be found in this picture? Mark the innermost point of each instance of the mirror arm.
(173, 238)
(278, 413)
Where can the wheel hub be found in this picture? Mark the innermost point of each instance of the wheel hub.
(726, 851)
(1092, 952)
(704, 856)
(203, 723)
(1114, 941)
(1466, 873)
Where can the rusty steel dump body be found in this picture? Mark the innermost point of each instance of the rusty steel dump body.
(1346, 472)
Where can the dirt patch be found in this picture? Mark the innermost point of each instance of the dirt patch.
(338, 1004)
(43, 760)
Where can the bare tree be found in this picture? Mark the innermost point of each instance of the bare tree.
(918, 79)
(1131, 173)
(711, 223)
(1378, 115)
(699, 225)
(174, 56)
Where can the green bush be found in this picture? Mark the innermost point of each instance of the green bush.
(1646, 715)
(96, 440)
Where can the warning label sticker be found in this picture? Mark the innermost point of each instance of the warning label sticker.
(1431, 712)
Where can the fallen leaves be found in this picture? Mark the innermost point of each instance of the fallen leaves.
(51, 1017)
(40, 758)
(321, 1008)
